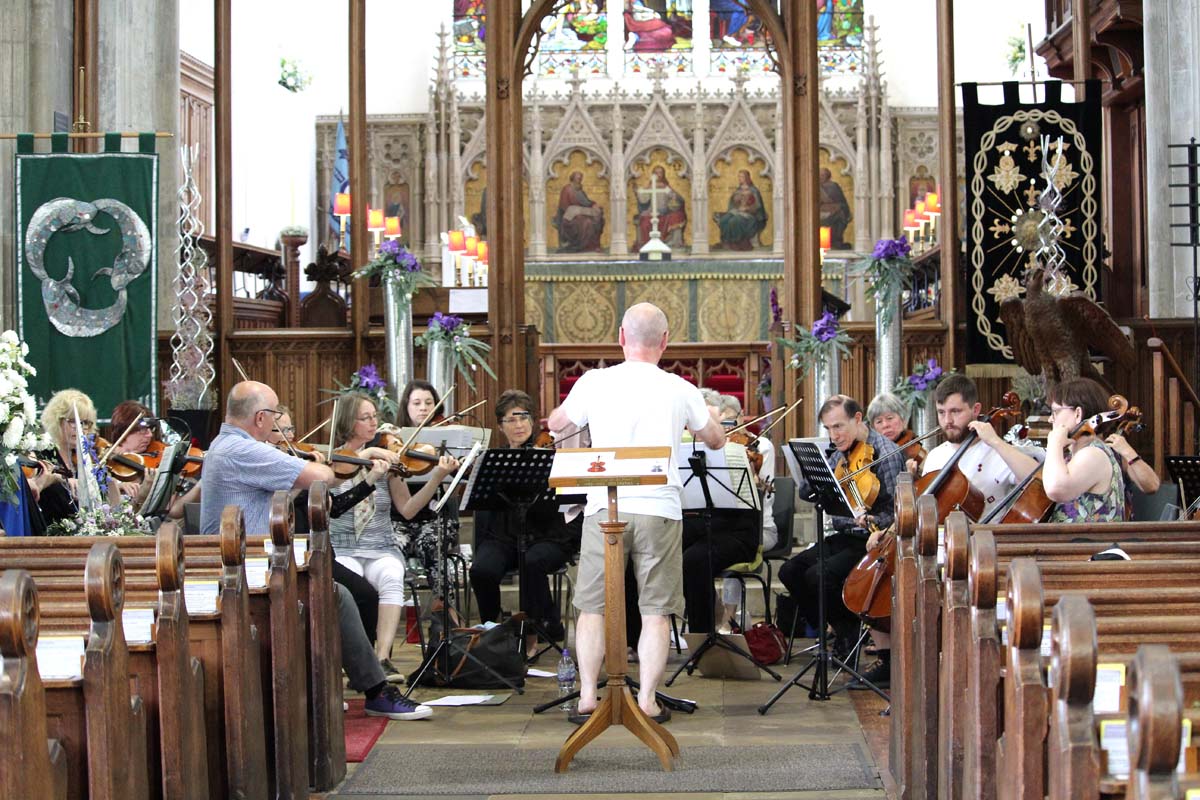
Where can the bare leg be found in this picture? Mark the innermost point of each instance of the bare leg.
(589, 649)
(385, 630)
(653, 646)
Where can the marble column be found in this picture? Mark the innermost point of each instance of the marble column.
(777, 176)
(138, 90)
(458, 203)
(699, 180)
(618, 244)
(1172, 117)
(433, 215)
(35, 54)
(862, 203)
(885, 224)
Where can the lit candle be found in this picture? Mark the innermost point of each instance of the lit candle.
(391, 227)
(341, 204)
(457, 241)
(826, 238)
(932, 203)
(482, 252)
(375, 219)
(472, 246)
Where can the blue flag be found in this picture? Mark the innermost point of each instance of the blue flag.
(339, 181)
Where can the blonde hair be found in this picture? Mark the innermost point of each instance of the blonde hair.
(347, 415)
(61, 407)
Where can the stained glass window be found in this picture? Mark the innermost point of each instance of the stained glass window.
(470, 24)
(658, 33)
(574, 35)
(840, 35)
(739, 39)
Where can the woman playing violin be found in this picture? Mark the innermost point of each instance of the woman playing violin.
(888, 414)
(550, 540)
(363, 538)
(1082, 474)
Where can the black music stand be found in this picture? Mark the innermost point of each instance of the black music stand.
(514, 479)
(446, 669)
(703, 475)
(830, 499)
(1185, 471)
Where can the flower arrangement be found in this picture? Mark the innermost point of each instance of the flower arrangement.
(916, 389)
(368, 381)
(292, 77)
(466, 354)
(20, 429)
(823, 343)
(104, 520)
(888, 273)
(394, 261)
(294, 230)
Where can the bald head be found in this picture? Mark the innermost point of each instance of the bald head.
(248, 398)
(644, 327)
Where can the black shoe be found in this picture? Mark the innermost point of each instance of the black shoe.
(879, 674)
(554, 630)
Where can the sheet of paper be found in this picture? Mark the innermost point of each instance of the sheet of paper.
(138, 624)
(257, 570)
(594, 467)
(1185, 741)
(299, 549)
(1113, 743)
(1109, 680)
(60, 657)
(201, 597)
(459, 700)
(541, 673)
(1047, 641)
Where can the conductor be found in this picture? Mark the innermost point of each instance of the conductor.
(635, 404)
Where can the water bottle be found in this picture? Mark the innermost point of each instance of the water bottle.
(566, 678)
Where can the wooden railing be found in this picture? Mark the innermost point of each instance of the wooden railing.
(1175, 406)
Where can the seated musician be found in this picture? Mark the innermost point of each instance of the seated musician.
(888, 414)
(549, 539)
(842, 418)
(992, 465)
(364, 538)
(1082, 474)
(711, 548)
(732, 415)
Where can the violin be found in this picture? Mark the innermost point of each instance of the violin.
(345, 463)
(861, 484)
(911, 447)
(544, 440)
(747, 440)
(418, 459)
(123, 467)
(1028, 501)
(193, 463)
(950, 484)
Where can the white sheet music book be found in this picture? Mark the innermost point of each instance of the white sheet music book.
(730, 482)
(60, 657)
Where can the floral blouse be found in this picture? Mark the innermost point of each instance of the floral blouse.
(1108, 506)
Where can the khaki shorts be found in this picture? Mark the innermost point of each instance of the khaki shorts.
(656, 546)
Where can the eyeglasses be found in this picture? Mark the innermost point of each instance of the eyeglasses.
(277, 413)
(368, 418)
(1056, 409)
(88, 424)
(288, 430)
(515, 417)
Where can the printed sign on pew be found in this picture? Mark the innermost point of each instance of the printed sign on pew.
(60, 657)
(299, 550)
(1115, 745)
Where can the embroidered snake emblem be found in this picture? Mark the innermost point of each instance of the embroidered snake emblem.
(63, 304)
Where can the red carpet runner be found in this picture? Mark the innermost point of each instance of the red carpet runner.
(361, 732)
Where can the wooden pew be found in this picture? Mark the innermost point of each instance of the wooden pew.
(904, 646)
(31, 764)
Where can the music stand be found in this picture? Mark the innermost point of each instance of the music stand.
(830, 499)
(705, 490)
(1185, 471)
(514, 479)
(610, 468)
(442, 648)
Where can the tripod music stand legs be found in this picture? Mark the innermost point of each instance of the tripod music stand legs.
(618, 707)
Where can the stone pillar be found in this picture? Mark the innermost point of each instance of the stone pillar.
(777, 187)
(35, 54)
(458, 206)
(433, 207)
(537, 184)
(138, 89)
(885, 224)
(1172, 117)
(617, 243)
(862, 203)
(699, 213)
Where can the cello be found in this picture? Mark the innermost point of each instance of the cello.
(861, 591)
(950, 485)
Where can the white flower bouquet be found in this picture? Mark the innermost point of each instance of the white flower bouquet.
(20, 429)
(104, 520)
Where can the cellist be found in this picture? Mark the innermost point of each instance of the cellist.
(991, 465)
(842, 418)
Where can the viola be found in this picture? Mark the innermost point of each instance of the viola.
(123, 467)
(345, 463)
(1028, 501)
(868, 588)
(860, 483)
(417, 459)
(753, 456)
(911, 447)
(193, 459)
(544, 440)
(950, 484)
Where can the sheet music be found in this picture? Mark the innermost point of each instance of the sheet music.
(462, 470)
(458, 440)
(730, 482)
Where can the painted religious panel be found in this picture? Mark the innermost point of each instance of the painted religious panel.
(659, 186)
(840, 35)
(919, 185)
(576, 202)
(475, 200)
(470, 22)
(574, 35)
(658, 33)
(738, 38)
(837, 199)
(739, 194)
(396, 203)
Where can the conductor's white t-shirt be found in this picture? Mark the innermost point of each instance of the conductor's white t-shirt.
(636, 404)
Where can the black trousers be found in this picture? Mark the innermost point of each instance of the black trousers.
(365, 597)
(802, 573)
(704, 558)
(492, 562)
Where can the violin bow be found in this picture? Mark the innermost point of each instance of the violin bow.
(421, 427)
(756, 420)
(779, 419)
(121, 438)
(916, 439)
(274, 422)
(314, 430)
(458, 415)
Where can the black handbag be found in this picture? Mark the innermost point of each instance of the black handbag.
(497, 648)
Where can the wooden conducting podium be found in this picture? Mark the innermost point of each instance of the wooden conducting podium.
(613, 467)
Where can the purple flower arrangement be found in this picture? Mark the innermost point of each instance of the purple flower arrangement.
(888, 272)
(824, 342)
(395, 263)
(916, 389)
(887, 249)
(466, 354)
(368, 378)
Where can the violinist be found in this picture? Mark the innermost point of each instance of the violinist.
(364, 538)
(731, 414)
(842, 418)
(1082, 474)
(888, 414)
(550, 541)
(991, 464)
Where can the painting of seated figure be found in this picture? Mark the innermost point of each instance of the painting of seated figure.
(739, 194)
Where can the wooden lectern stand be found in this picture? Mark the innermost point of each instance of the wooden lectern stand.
(613, 467)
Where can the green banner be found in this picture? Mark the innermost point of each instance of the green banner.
(87, 257)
